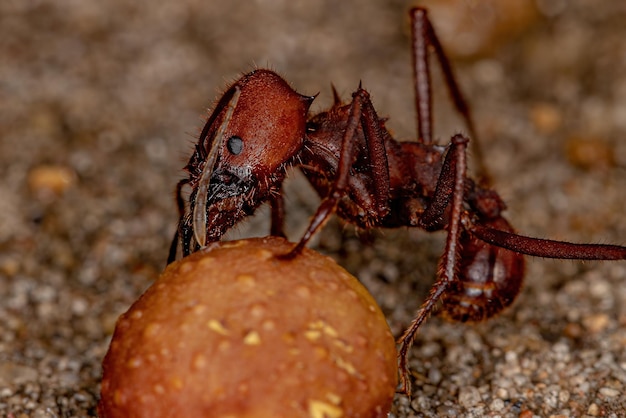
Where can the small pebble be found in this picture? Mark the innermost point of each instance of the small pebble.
(546, 118)
(469, 396)
(16, 374)
(496, 405)
(47, 181)
(502, 393)
(593, 410)
(434, 375)
(596, 323)
(447, 411)
(590, 153)
(609, 392)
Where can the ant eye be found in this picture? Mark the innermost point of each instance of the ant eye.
(234, 145)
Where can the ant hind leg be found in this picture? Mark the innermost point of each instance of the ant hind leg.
(423, 36)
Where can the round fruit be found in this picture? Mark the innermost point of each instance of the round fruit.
(233, 331)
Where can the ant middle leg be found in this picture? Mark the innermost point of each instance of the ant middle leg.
(450, 192)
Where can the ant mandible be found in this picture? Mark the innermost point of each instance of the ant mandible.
(259, 128)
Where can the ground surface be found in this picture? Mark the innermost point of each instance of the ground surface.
(99, 106)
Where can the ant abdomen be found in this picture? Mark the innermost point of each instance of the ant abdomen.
(489, 278)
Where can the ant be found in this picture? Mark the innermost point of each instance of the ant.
(259, 129)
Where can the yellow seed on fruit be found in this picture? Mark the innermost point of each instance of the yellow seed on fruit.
(320, 409)
(252, 338)
(215, 325)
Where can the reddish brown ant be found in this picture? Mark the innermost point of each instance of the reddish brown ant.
(259, 128)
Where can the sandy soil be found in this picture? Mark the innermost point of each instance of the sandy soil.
(100, 103)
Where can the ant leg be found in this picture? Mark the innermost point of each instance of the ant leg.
(185, 231)
(180, 204)
(432, 219)
(423, 35)
(377, 154)
(420, 35)
(277, 204)
(547, 248)
(185, 235)
(452, 182)
(171, 257)
(362, 114)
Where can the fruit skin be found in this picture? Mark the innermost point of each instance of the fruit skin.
(232, 331)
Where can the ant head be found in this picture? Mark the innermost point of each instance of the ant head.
(266, 129)
(254, 134)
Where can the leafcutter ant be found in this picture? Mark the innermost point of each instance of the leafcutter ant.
(259, 128)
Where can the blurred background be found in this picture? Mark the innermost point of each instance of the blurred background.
(101, 103)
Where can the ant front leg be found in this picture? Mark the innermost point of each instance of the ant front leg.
(362, 115)
(423, 37)
(180, 204)
(277, 205)
(450, 186)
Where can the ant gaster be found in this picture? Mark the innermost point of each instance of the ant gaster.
(259, 128)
